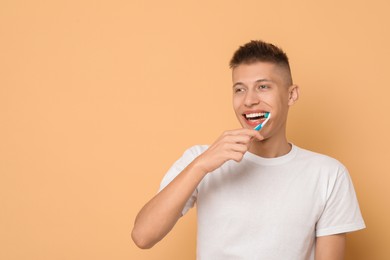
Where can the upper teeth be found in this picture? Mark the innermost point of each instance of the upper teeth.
(254, 115)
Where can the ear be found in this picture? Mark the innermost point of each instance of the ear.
(293, 94)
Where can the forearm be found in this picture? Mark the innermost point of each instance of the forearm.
(161, 213)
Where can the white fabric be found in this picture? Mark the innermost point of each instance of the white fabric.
(270, 208)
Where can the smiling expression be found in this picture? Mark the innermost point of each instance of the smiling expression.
(262, 87)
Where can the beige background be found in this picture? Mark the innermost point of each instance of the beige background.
(98, 98)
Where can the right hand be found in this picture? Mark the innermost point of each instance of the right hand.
(231, 145)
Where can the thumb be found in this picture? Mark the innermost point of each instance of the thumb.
(258, 136)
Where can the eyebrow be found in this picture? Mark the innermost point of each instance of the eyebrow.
(257, 81)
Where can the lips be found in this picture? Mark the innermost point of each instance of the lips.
(253, 118)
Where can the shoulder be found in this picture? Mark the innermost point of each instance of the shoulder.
(318, 159)
(187, 157)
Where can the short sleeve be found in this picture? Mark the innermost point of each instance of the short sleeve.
(341, 213)
(188, 156)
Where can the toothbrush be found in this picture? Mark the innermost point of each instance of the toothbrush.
(259, 126)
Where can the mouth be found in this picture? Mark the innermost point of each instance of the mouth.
(253, 119)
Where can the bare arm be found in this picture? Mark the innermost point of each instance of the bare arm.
(161, 213)
(330, 247)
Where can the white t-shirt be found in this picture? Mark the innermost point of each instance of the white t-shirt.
(270, 208)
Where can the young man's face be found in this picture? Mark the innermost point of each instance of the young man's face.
(262, 87)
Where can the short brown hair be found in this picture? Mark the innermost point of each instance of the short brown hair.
(257, 50)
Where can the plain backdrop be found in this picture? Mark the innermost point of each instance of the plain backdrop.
(99, 98)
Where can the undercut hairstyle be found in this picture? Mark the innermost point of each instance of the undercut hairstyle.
(255, 51)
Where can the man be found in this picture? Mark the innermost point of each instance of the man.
(258, 196)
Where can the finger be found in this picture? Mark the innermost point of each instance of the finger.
(241, 148)
(237, 156)
(241, 139)
(252, 133)
(244, 131)
(227, 135)
(239, 131)
(256, 134)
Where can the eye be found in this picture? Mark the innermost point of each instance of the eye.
(263, 87)
(238, 90)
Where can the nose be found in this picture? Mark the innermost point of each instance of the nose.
(251, 98)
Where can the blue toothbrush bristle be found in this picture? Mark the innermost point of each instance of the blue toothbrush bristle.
(259, 126)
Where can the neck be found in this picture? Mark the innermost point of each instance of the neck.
(270, 147)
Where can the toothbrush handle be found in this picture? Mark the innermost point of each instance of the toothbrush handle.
(258, 127)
